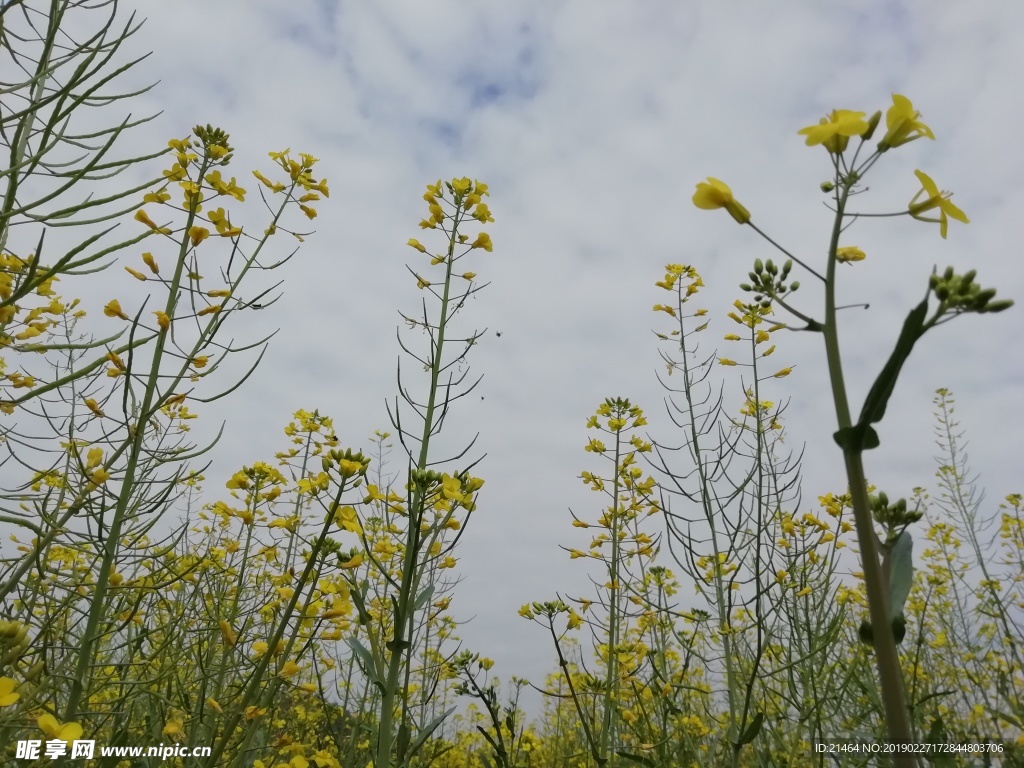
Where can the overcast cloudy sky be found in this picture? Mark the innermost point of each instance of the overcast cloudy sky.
(592, 122)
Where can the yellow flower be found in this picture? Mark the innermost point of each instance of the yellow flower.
(726, 361)
(353, 562)
(113, 309)
(902, 123)
(173, 729)
(414, 243)
(716, 194)
(151, 263)
(290, 669)
(935, 199)
(94, 407)
(53, 728)
(142, 216)
(276, 186)
(483, 240)
(849, 253)
(347, 519)
(228, 633)
(835, 129)
(782, 373)
(156, 197)
(197, 234)
(163, 320)
(7, 693)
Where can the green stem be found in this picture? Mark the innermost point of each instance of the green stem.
(887, 660)
(403, 603)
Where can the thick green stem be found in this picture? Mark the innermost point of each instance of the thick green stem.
(889, 673)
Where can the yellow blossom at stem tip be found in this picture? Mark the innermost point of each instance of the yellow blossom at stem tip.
(835, 129)
(935, 200)
(903, 125)
(714, 194)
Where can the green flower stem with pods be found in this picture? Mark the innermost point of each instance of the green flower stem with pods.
(426, 488)
(887, 583)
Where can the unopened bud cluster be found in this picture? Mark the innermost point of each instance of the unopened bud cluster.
(892, 516)
(960, 293)
(769, 281)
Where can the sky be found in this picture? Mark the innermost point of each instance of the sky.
(592, 123)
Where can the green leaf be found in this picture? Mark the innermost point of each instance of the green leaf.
(901, 573)
(882, 389)
(753, 728)
(423, 597)
(365, 659)
(861, 437)
(636, 758)
(430, 727)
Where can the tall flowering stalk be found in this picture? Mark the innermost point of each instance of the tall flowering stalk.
(886, 563)
(625, 551)
(426, 522)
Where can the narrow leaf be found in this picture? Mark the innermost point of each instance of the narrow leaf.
(882, 389)
(901, 573)
(753, 729)
(430, 727)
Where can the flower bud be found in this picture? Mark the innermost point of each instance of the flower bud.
(984, 297)
(758, 266)
(998, 306)
(872, 124)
